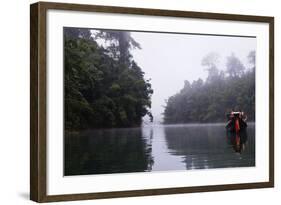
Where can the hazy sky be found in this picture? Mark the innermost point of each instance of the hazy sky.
(170, 59)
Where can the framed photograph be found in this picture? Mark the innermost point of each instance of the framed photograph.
(134, 102)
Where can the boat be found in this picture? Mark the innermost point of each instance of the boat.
(236, 122)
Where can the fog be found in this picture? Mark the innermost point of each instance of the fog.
(170, 59)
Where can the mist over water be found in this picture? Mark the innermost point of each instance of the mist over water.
(158, 148)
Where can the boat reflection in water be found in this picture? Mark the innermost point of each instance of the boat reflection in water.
(203, 146)
(238, 140)
(236, 130)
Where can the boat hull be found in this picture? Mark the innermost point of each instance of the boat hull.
(232, 125)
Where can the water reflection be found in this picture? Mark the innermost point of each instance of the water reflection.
(237, 140)
(157, 148)
(107, 151)
(204, 146)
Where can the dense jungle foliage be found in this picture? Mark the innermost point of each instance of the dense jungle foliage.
(222, 91)
(103, 85)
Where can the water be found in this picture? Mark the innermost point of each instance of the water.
(158, 148)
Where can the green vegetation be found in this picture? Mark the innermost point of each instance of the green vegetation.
(221, 92)
(103, 85)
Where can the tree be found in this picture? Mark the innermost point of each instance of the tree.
(234, 67)
(211, 61)
(209, 101)
(74, 33)
(252, 59)
(100, 90)
(120, 44)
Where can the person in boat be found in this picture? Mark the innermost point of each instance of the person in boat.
(230, 117)
(243, 116)
(243, 119)
(232, 124)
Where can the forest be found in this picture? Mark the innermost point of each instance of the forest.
(223, 90)
(103, 85)
(105, 88)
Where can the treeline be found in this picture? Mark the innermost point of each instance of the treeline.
(103, 85)
(222, 91)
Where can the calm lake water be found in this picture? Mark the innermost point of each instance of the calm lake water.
(158, 148)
